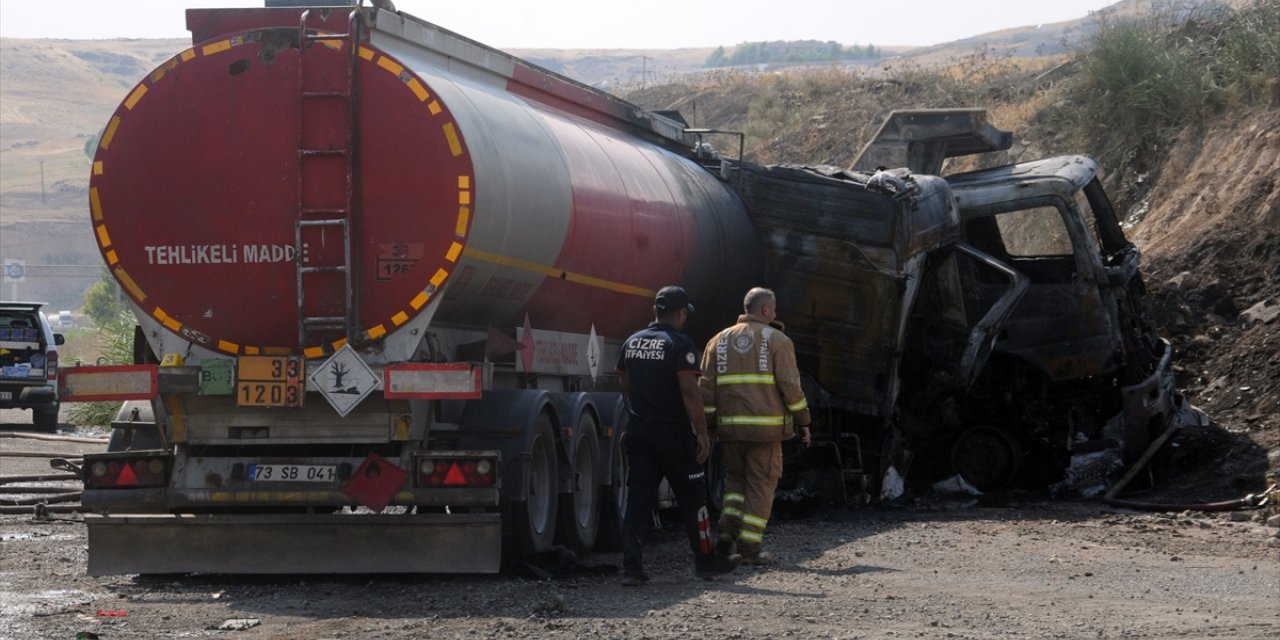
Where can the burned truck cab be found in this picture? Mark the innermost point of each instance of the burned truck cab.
(1018, 354)
(1066, 367)
(1035, 218)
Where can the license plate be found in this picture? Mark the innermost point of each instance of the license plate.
(292, 472)
(5, 395)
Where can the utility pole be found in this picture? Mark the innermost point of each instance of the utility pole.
(42, 182)
(644, 70)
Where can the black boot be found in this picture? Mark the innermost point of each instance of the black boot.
(713, 564)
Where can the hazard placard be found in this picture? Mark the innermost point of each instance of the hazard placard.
(375, 483)
(344, 380)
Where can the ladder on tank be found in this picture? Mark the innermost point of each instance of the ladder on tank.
(341, 217)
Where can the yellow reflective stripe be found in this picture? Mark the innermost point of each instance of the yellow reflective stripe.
(746, 378)
(734, 497)
(451, 134)
(762, 421)
(731, 512)
(755, 521)
(799, 406)
(708, 410)
(560, 274)
(751, 536)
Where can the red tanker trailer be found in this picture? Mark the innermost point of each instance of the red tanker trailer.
(330, 223)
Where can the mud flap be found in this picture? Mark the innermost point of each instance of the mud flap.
(288, 544)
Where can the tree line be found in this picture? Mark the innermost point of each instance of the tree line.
(790, 51)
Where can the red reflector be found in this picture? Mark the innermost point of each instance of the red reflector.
(127, 477)
(455, 476)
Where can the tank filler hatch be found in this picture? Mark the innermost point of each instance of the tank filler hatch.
(921, 139)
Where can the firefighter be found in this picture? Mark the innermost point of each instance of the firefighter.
(751, 387)
(666, 436)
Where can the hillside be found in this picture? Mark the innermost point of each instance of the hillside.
(55, 96)
(1211, 246)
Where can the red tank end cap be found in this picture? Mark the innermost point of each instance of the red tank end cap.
(222, 181)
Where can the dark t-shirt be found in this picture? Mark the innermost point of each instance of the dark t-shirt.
(652, 358)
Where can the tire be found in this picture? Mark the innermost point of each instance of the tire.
(986, 457)
(45, 419)
(579, 524)
(533, 517)
(613, 500)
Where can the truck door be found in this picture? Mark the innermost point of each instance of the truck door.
(1064, 324)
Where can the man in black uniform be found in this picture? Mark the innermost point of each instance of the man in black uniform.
(659, 367)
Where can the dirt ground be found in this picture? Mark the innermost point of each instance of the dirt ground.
(1211, 261)
(943, 568)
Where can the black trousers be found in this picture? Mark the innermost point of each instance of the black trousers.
(654, 454)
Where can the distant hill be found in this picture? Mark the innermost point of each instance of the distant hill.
(55, 96)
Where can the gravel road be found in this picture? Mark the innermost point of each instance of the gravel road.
(941, 569)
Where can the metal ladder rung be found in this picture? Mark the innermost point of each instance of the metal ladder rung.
(316, 37)
(322, 152)
(324, 222)
(325, 94)
(324, 323)
(334, 269)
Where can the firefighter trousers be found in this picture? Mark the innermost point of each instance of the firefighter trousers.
(751, 473)
(649, 460)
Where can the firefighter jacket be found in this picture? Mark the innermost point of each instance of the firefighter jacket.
(750, 383)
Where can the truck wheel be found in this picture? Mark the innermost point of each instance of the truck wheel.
(580, 510)
(986, 457)
(613, 499)
(45, 419)
(533, 525)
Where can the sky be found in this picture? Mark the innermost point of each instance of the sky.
(597, 24)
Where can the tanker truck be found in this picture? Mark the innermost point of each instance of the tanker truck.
(381, 273)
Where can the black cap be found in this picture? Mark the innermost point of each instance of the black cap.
(672, 298)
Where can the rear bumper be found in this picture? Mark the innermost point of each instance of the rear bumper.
(294, 544)
(34, 396)
(163, 500)
(221, 483)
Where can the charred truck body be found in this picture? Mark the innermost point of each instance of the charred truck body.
(381, 273)
(968, 323)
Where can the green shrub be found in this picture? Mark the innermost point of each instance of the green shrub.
(1250, 44)
(1145, 80)
(116, 344)
(1140, 84)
